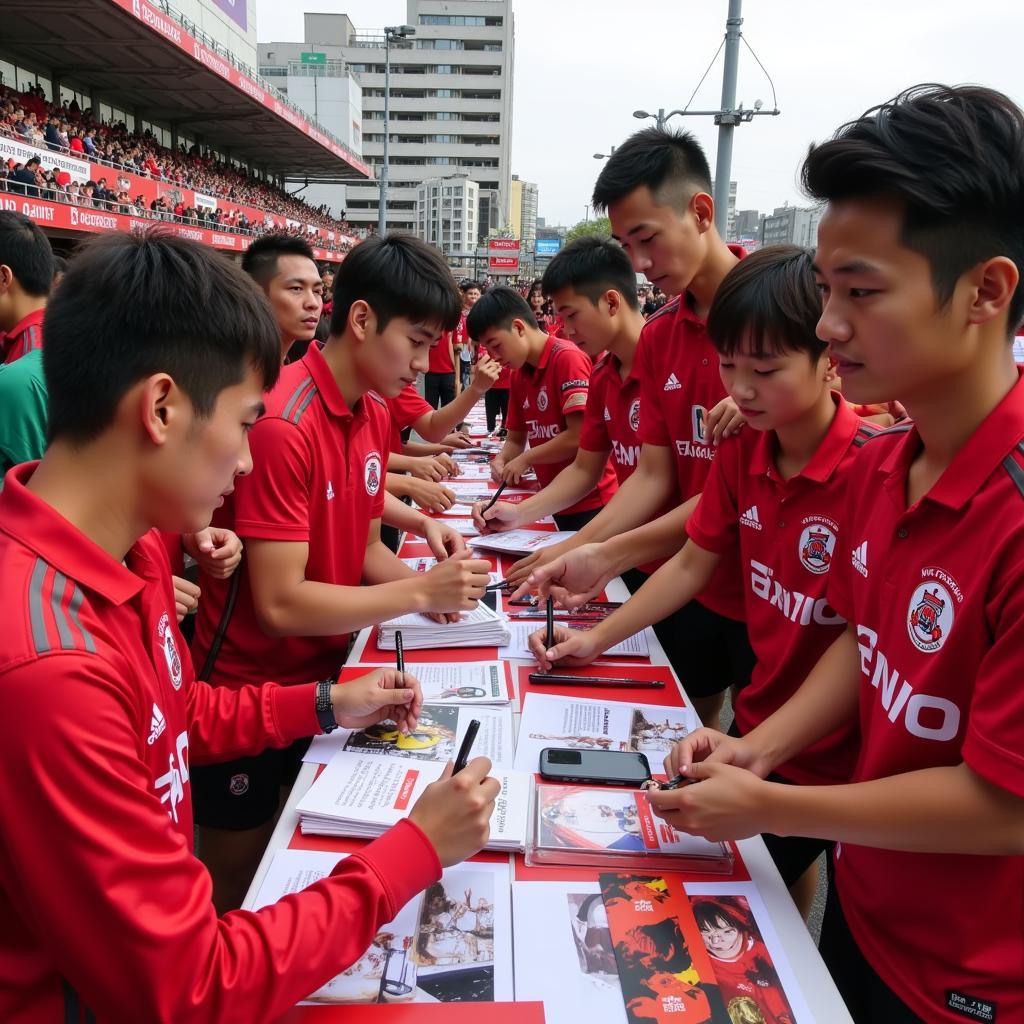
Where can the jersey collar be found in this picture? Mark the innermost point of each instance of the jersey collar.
(545, 356)
(997, 436)
(326, 385)
(42, 529)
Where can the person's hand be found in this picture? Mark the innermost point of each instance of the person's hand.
(217, 551)
(498, 469)
(714, 747)
(723, 421)
(186, 597)
(430, 467)
(454, 585)
(430, 496)
(571, 579)
(514, 470)
(448, 464)
(442, 539)
(485, 373)
(385, 694)
(728, 803)
(454, 813)
(457, 439)
(520, 570)
(571, 647)
(502, 515)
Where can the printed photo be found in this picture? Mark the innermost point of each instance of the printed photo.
(589, 819)
(743, 966)
(593, 940)
(433, 739)
(456, 924)
(657, 733)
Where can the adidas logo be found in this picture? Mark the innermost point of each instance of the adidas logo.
(751, 518)
(607, 414)
(860, 559)
(526, 403)
(672, 384)
(330, 490)
(157, 725)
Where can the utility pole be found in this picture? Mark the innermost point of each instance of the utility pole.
(390, 33)
(728, 119)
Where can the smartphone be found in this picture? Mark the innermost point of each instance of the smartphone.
(610, 767)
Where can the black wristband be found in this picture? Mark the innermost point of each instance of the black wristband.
(324, 710)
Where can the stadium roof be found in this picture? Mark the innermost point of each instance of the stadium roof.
(141, 58)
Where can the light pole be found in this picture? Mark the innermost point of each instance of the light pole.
(390, 33)
(604, 156)
(586, 212)
(727, 117)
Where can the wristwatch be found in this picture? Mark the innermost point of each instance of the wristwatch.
(324, 709)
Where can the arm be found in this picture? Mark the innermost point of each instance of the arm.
(443, 540)
(513, 447)
(435, 425)
(434, 497)
(576, 481)
(658, 539)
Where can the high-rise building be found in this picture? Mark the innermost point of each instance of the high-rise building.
(523, 209)
(450, 103)
(730, 230)
(748, 223)
(795, 225)
(447, 210)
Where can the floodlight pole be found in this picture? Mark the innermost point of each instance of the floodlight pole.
(728, 120)
(390, 33)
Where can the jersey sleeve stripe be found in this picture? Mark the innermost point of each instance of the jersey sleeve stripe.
(1012, 467)
(35, 607)
(73, 607)
(295, 397)
(60, 582)
(304, 404)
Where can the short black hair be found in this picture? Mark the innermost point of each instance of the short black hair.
(132, 305)
(26, 250)
(671, 164)
(592, 265)
(397, 275)
(498, 307)
(770, 301)
(953, 156)
(260, 259)
(468, 286)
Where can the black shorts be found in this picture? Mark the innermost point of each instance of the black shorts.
(575, 521)
(708, 651)
(792, 855)
(867, 997)
(245, 793)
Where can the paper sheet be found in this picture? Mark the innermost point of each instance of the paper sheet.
(553, 721)
(635, 646)
(520, 542)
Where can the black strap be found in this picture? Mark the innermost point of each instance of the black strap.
(222, 626)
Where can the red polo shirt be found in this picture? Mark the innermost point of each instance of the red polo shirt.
(441, 355)
(936, 592)
(318, 479)
(405, 409)
(786, 532)
(23, 337)
(540, 398)
(102, 720)
(680, 382)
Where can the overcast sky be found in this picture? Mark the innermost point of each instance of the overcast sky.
(581, 69)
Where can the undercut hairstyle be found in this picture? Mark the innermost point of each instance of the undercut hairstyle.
(397, 276)
(671, 164)
(767, 305)
(591, 266)
(497, 308)
(953, 156)
(26, 250)
(260, 259)
(132, 305)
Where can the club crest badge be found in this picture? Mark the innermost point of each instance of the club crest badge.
(372, 473)
(166, 637)
(542, 399)
(634, 416)
(816, 546)
(930, 616)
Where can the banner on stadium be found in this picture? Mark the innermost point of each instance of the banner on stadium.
(205, 202)
(235, 10)
(65, 217)
(21, 153)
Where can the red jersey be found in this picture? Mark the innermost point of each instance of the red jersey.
(405, 409)
(936, 593)
(105, 913)
(680, 382)
(786, 532)
(441, 355)
(25, 336)
(540, 398)
(318, 479)
(504, 381)
(751, 975)
(611, 421)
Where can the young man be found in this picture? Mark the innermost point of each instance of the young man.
(592, 287)
(441, 384)
(776, 493)
(656, 188)
(918, 258)
(102, 718)
(470, 296)
(283, 267)
(26, 275)
(310, 517)
(550, 382)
